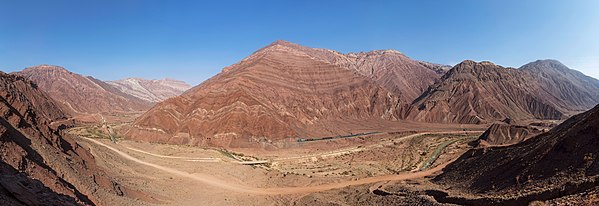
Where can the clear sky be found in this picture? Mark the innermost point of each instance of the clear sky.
(193, 40)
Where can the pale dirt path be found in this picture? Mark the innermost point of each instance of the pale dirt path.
(193, 159)
(213, 181)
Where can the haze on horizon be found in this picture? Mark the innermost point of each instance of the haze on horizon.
(192, 41)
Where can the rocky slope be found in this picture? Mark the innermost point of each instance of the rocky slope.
(500, 134)
(404, 77)
(482, 92)
(280, 91)
(81, 94)
(151, 90)
(394, 71)
(567, 89)
(558, 163)
(38, 165)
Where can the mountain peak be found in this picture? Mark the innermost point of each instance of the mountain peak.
(282, 42)
(46, 67)
(470, 66)
(545, 64)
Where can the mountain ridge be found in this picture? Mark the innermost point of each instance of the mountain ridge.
(81, 94)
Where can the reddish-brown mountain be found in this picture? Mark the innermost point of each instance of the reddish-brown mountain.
(483, 92)
(81, 94)
(567, 89)
(560, 162)
(280, 91)
(39, 166)
(394, 71)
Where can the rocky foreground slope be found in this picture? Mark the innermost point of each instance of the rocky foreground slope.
(555, 164)
(81, 94)
(38, 165)
(154, 90)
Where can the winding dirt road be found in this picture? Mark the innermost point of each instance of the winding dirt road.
(216, 182)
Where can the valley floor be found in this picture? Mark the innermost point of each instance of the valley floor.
(189, 175)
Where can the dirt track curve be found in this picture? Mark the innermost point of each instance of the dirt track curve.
(213, 181)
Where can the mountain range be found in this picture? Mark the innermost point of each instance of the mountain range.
(78, 94)
(285, 90)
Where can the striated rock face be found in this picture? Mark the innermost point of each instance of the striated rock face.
(562, 161)
(394, 71)
(151, 90)
(39, 166)
(501, 134)
(404, 77)
(280, 91)
(81, 94)
(568, 89)
(483, 92)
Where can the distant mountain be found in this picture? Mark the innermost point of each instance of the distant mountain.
(566, 88)
(81, 94)
(558, 163)
(439, 68)
(38, 165)
(151, 90)
(473, 93)
(283, 90)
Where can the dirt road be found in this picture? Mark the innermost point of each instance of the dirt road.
(235, 187)
(368, 147)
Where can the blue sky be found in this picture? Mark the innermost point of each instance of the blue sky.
(193, 40)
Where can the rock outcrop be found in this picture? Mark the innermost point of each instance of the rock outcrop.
(502, 134)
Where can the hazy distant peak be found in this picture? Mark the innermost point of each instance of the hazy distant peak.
(154, 90)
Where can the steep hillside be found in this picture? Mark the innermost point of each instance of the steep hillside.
(151, 90)
(568, 89)
(278, 92)
(483, 92)
(394, 71)
(81, 94)
(38, 165)
(560, 162)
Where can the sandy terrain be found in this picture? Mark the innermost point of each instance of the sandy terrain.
(187, 175)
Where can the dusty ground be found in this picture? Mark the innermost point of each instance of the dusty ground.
(189, 175)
